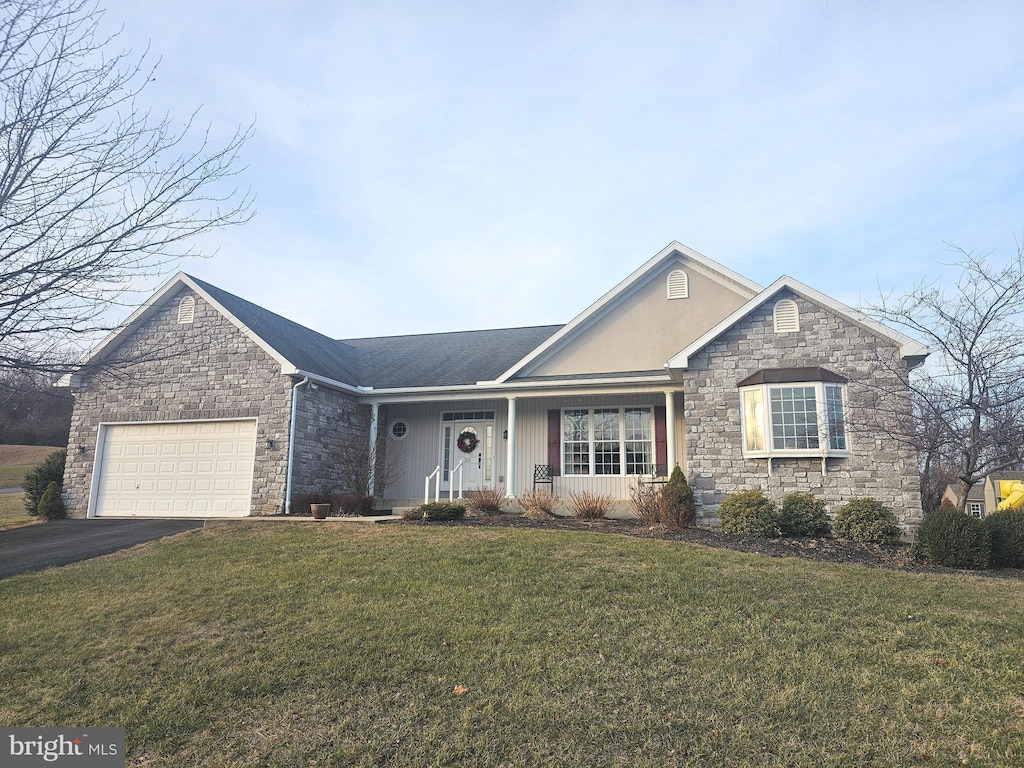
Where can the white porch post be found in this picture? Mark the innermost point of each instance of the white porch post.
(374, 416)
(510, 451)
(670, 429)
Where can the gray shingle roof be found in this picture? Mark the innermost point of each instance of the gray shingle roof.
(444, 359)
(422, 360)
(308, 350)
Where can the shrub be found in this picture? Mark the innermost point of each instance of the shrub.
(486, 501)
(1006, 530)
(587, 505)
(301, 502)
(442, 510)
(749, 512)
(352, 505)
(803, 515)
(412, 513)
(951, 538)
(676, 500)
(867, 520)
(645, 501)
(37, 480)
(538, 504)
(51, 506)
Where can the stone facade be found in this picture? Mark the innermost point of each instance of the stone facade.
(207, 369)
(330, 428)
(877, 467)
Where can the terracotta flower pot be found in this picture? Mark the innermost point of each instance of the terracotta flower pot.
(320, 511)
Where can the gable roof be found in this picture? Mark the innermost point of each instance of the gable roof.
(913, 351)
(443, 359)
(611, 299)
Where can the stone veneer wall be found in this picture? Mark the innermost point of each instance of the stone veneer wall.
(877, 467)
(326, 421)
(204, 370)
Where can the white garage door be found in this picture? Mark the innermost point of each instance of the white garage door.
(179, 469)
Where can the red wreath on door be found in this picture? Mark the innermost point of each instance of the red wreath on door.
(468, 441)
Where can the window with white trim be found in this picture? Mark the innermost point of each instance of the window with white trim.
(607, 441)
(794, 412)
(975, 509)
(678, 284)
(787, 316)
(399, 429)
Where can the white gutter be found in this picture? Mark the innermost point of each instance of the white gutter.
(497, 387)
(291, 446)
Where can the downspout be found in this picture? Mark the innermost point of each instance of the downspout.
(291, 446)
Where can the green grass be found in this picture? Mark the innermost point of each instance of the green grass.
(292, 644)
(12, 511)
(12, 476)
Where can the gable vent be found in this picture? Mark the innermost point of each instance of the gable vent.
(678, 285)
(787, 316)
(187, 310)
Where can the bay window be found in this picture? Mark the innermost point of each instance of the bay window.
(607, 441)
(794, 412)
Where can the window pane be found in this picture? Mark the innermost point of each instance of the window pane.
(794, 418)
(606, 458)
(753, 420)
(606, 424)
(638, 424)
(576, 436)
(639, 441)
(834, 412)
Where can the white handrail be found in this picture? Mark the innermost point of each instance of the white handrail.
(451, 483)
(437, 486)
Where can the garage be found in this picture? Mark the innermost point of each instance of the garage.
(174, 469)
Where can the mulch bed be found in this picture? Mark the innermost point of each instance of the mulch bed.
(895, 557)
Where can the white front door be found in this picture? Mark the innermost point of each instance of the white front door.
(470, 442)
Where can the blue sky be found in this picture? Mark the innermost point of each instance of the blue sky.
(434, 166)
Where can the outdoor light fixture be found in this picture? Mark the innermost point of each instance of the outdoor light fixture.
(505, 434)
(81, 449)
(270, 444)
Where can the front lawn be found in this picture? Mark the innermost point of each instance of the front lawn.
(286, 644)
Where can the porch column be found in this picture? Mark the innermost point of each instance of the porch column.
(374, 415)
(510, 451)
(670, 429)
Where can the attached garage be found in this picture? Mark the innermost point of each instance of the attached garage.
(174, 469)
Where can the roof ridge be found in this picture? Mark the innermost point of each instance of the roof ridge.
(452, 333)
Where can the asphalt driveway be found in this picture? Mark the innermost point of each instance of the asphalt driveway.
(60, 542)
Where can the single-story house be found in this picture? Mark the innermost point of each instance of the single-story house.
(204, 404)
(986, 496)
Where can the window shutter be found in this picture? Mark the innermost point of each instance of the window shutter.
(678, 285)
(555, 442)
(787, 316)
(186, 310)
(661, 438)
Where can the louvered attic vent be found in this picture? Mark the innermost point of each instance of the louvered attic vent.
(187, 310)
(678, 285)
(787, 316)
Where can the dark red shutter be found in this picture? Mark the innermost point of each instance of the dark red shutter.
(661, 438)
(555, 442)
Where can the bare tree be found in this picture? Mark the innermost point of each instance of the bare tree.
(95, 192)
(365, 469)
(968, 399)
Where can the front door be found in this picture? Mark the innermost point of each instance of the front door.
(471, 442)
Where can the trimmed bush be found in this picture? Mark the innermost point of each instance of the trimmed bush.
(487, 501)
(951, 538)
(51, 505)
(442, 510)
(587, 505)
(803, 515)
(645, 501)
(412, 513)
(676, 501)
(867, 520)
(750, 513)
(538, 504)
(1006, 530)
(37, 480)
(352, 505)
